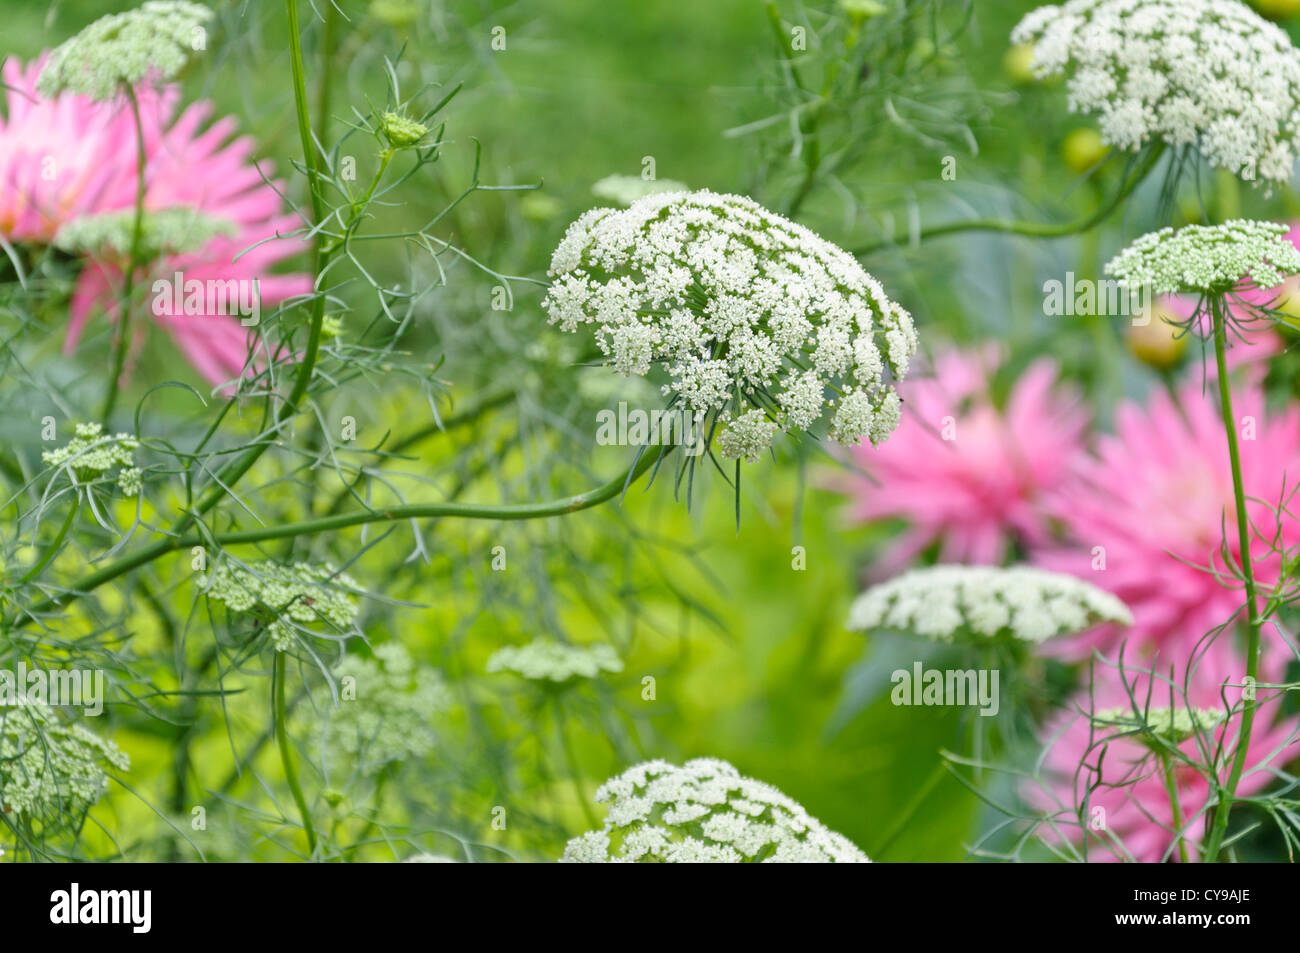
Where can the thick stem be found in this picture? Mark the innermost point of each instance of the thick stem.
(123, 343)
(1229, 791)
(286, 752)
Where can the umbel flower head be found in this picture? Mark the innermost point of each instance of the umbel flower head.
(1160, 722)
(980, 603)
(172, 231)
(122, 49)
(549, 660)
(401, 132)
(287, 599)
(51, 770)
(1206, 73)
(704, 812)
(1236, 256)
(385, 716)
(91, 454)
(755, 318)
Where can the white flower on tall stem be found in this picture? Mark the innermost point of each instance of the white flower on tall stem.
(762, 325)
(1230, 263)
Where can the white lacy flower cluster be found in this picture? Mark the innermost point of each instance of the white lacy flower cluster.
(91, 454)
(1208, 259)
(122, 49)
(286, 598)
(977, 603)
(1208, 73)
(549, 660)
(1167, 724)
(168, 231)
(704, 812)
(754, 317)
(389, 717)
(51, 769)
(626, 189)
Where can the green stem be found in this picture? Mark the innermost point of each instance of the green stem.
(286, 753)
(484, 511)
(1229, 791)
(1036, 229)
(230, 474)
(326, 71)
(1176, 804)
(132, 263)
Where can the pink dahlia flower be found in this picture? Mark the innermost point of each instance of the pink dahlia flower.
(963, 472)
(66, 157)
(1155, 503)
(1088, 767)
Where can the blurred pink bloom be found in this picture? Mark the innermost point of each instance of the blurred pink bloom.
(1155, 502)
(67, 157)
(1128, 782)
(963, 472)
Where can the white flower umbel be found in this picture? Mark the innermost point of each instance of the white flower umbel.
(288, 599)
(747, 311)
(168, 231)
(704, 811)
(1168, 725)
(549, 660)
(122, 49)
(979, 603)
(51, 770)
(626, 189)
(1208, 259)
(91, 454)
(1206, 73)
(389, 716)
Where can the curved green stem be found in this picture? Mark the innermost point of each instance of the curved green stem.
(1037, 229)
(286, 752)
(1228, 792)
(469, 415)
(482, 511)
(122, 345)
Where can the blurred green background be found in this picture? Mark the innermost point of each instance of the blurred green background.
(750, 656)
